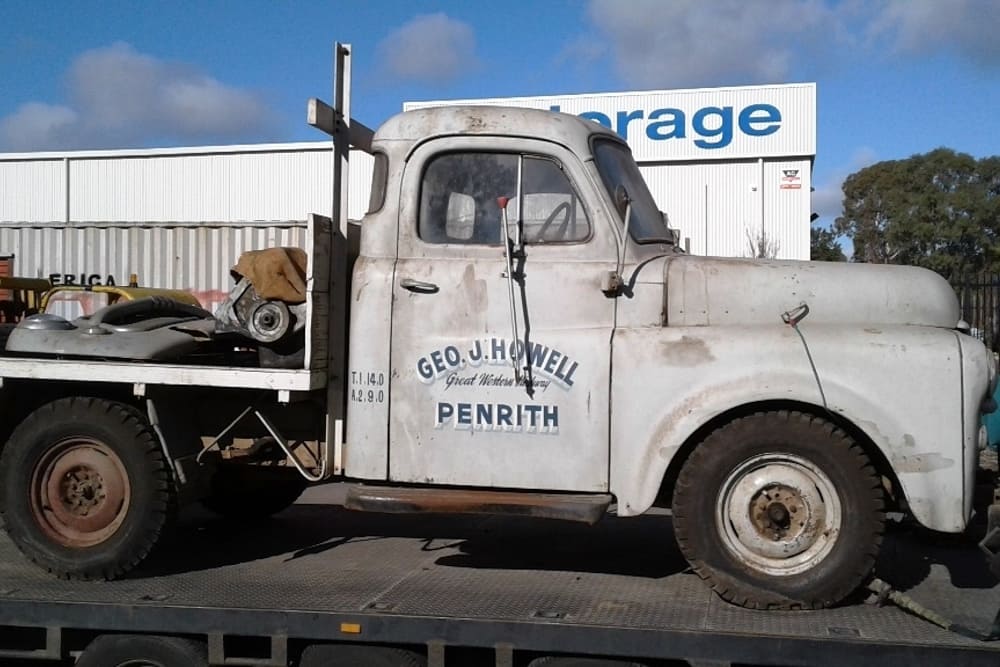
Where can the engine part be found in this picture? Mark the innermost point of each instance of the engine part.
(266, 321)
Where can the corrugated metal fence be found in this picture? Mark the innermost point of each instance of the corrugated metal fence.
(193, 257)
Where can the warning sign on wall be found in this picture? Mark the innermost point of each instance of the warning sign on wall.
(790, 179)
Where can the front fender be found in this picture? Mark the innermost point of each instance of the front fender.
(901, 386)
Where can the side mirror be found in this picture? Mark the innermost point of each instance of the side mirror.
(621, 198)
(613, 282)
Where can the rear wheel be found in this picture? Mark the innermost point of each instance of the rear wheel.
(84, 490)
(143, 651)
(779, 510)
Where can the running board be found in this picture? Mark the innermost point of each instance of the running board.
(585, 508)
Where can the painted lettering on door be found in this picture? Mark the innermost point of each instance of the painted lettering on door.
(468, 370)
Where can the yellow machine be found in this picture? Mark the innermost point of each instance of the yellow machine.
(114, 294)
(20, 297)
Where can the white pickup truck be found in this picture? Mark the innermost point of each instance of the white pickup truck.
(516, 332)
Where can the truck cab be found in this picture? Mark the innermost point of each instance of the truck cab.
(498, 367)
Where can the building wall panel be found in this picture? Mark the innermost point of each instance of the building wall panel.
(243, 184)
(198, 188)
(32, 190)
(788, 202)
(715, 206)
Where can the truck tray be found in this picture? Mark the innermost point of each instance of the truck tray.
(619, 588)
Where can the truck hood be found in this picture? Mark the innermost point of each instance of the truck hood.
(702, 291)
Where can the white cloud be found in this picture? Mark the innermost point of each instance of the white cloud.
(37, 126)
(696, 43)
(966, 27)
(119, 97)
(432, 48)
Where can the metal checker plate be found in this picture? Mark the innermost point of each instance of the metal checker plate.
(621, 573)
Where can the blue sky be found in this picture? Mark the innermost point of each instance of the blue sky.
(894, 77)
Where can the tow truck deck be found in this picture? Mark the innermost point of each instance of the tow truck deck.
(470, 590)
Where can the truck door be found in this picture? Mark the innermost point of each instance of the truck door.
(459, 413)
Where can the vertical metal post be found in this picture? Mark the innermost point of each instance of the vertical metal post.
(337, 349)
(341, 137)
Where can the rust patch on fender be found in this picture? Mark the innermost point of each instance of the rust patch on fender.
(667, 453)
(474, 123)
(921, 463)
(688, 351)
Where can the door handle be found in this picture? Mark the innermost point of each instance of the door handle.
(418, 286)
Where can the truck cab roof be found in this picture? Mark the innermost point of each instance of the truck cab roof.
(421, 125)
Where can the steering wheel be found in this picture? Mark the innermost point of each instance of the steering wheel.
(562, 208)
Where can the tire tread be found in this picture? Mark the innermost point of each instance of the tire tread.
(156, 474)
(853, 455)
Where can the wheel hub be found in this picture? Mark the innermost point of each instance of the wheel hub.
(80, 492)
(778, 513)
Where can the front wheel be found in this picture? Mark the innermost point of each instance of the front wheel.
(779, 510)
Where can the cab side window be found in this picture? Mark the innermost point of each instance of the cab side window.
(459, 192)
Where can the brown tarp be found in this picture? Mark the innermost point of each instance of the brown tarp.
(276, 273)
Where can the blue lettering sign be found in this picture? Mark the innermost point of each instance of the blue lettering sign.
(712, 127)
(671, 127)
(760, 113)
(722, 129)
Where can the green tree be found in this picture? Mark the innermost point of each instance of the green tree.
(940, 210)
(823, 246)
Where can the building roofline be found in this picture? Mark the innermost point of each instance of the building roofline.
(624, 93)
(172, 151)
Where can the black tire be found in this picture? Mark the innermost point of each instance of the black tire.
(5, 331)
(745, 555)
(344, 655)
(84, 490)
(122, 650)
(253, 492)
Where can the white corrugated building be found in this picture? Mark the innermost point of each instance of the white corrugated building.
(726, 165)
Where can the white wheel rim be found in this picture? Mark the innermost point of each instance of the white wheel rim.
(778, 514)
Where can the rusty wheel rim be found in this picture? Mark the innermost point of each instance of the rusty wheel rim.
(80, 492)
(779, 514)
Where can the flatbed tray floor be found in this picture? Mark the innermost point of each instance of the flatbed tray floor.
(620, 588)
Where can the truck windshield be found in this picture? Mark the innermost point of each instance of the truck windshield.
(617, 168)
